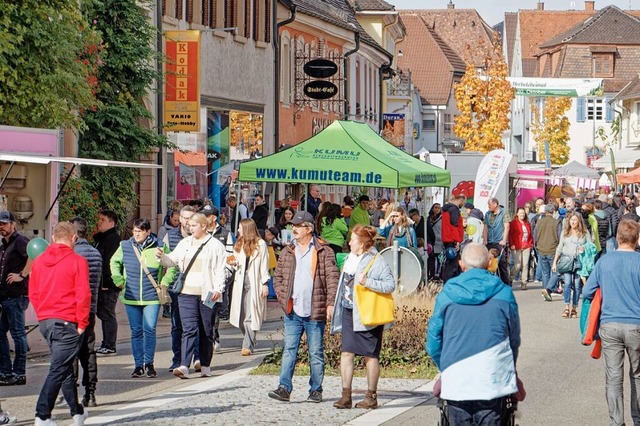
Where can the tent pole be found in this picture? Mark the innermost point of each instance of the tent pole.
(426, 262)
(303, 208)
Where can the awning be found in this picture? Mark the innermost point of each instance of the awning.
(625, 159)
(43, 159)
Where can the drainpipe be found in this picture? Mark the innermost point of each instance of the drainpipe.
(276, 65)
(345, 69)
(160, 186)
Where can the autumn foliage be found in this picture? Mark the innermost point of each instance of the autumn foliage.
(552, 125)
(483, 98)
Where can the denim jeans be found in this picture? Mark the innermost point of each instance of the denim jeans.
(577, 288)
(197, 329)
(477, 413)
(294, 326)
(176, 334)
(107, 300)
(87, 357)
(142, 321)
(64, 343)
(12, 320)
(618, 338)
(549, 278)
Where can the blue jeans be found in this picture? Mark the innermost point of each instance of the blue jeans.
(176, 334)
(294, 326)
(12, 320)
(549, 278)
(577, 288)
(477, 413)
(142, 321)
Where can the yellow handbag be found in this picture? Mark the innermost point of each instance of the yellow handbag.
(374, 308)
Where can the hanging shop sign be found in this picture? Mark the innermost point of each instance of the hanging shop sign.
(320, 89)
(182, 87)
(320, 68)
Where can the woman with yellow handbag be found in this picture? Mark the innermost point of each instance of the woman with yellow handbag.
(363, 305)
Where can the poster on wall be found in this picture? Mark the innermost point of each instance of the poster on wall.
(393, 129)
(187, 175)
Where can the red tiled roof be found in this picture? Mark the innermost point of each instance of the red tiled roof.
(431, 61)
(462, 29)
(630, 91)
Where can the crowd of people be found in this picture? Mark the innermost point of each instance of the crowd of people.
(219, 266)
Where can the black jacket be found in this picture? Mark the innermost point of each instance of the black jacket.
(107, 243)
(94, 259)
(260, 216)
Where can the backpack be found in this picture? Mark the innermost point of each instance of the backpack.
(604, 229)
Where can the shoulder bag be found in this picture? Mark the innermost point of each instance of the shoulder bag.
(161, 290)
(374, 308)
(178, 283)
(565, 264)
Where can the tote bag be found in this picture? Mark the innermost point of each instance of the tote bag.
(374, 308)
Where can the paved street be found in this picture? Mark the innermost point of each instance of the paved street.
(564, 384)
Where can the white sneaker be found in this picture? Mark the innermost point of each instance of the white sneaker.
(6, 419)
(206, 372)
(78, 419)
(197, 366)
(48, 422)
(216, 346)
(181, 372)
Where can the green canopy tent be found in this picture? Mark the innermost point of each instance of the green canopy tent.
(345, 153)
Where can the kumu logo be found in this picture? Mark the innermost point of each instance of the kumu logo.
(300, 152)
(426, 178)
(335, 154)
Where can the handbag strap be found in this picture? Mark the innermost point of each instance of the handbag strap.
(193, 259)
(144, 267)
(370, 264)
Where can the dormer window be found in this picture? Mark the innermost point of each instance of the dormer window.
(603, 61)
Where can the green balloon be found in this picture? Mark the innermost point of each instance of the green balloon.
(36, 247)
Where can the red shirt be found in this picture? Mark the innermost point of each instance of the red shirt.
(59, 286)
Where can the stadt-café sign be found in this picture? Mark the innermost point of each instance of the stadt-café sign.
(182, 87)
(320, 89)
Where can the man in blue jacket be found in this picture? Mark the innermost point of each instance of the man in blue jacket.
(473, 338)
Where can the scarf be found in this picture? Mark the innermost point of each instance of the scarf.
(396, 233)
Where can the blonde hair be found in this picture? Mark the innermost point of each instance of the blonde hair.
(63, 231)
(249, 239)
(200, 218)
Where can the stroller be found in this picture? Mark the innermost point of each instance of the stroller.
(509, 408)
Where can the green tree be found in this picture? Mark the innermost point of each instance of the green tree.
(116, 129)
(484, 101)
(46, 75)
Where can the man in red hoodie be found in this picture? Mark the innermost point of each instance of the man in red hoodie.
(60, 294)
(452, 236)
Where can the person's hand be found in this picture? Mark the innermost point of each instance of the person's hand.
(14, 278)
(554, 267)
(513, 248)
(359, 279)
(80, 330)
(159, 252)
(265, 291)
(329, 313)
(502, 243)
(216, 295)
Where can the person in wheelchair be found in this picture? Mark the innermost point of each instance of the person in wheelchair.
(473, 338)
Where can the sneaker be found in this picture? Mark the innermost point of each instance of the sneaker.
(197, 366)
(546, 295)
(151, 372)
(89, 399)
(105, 352)
(315, 396)
(137, 373)
(280, 394)
(78, 419)
(6, 419)
(173, 367)
(216, 346)
(246, 352)
(14, 381)
(181, 372)
(40, 422)
(206, 372)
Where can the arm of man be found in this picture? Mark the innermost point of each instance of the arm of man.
(505, 234)
(331, 279)
(117, 268)
(82, 294)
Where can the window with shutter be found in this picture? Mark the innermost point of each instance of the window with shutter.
(581, 110)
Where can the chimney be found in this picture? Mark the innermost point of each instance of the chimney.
(451, 5)
(540, 5)
(590, 6)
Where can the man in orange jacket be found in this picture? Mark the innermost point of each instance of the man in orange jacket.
(60, 294)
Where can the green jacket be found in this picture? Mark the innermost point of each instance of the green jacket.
(334, 233)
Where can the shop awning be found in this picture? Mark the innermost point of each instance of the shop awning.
(43, 159)
(624, 159)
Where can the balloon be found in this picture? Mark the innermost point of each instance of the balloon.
(429, 249)
(471, 229)
(450, 253)
(36, 247)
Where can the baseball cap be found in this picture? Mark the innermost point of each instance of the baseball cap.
(6, 217)
(469, 206)
(302, 217)
(209, 210)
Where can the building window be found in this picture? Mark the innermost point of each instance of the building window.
(448, 122)
(429, 123)
(595, 109)
(603, 65)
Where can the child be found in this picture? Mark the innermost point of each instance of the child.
(6, 419)
(493, 260)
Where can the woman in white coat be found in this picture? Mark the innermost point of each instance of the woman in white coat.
(250, 288)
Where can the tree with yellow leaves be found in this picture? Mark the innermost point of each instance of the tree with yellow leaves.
(552, 126)
(483, 98)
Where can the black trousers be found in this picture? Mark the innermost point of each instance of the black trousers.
(64, 342)
(451, 266)
(503, 264)
(107, 300)
(87, 357)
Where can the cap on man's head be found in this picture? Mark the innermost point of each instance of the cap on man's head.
(469, 206)
(6, 217)
(363, 198)
(209, 210)
(302, 217)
